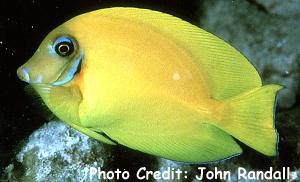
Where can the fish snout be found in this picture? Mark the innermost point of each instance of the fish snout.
(23, 74)
(29, 76)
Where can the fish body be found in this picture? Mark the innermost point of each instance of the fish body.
(154, 83)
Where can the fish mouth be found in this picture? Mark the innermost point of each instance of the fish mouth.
(23, 74)
(70, 71)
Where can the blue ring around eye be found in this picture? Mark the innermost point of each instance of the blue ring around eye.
(62, 39)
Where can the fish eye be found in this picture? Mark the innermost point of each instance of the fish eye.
(64, 46)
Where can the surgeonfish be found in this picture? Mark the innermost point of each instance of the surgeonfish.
(154, 83)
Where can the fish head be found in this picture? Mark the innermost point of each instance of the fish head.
(55, 62)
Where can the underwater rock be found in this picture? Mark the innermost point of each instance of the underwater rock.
(269, 41)
(295, 175)
(179, 171)
(280, 7)
(56, 152)
(289, 130)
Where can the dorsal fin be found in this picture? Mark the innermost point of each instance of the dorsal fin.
(227, 71)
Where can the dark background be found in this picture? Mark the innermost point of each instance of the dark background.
(23, 25)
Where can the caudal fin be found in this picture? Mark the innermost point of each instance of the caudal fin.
(249, 117)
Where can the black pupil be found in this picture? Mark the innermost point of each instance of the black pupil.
(64, 48)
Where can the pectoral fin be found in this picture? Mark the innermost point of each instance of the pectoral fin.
(61, 100)
(96, 135)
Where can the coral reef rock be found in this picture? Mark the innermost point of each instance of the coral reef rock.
(270, 41)
(56, 152)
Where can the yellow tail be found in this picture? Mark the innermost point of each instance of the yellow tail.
(249, 117)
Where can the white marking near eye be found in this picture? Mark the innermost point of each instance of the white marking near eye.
(51, 49)
(176, 76)
(39, 78)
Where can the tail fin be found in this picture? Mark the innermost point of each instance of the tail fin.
(249, 117)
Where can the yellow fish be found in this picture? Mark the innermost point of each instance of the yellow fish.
(154, 83)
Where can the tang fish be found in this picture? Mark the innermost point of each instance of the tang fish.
(154, 83)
